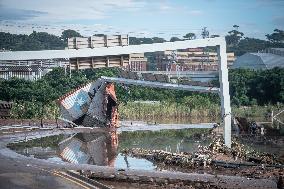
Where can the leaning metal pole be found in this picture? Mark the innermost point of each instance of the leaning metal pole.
(224, 93)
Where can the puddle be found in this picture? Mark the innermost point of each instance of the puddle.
(103, 148)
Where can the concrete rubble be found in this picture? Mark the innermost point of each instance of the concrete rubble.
(216, 158)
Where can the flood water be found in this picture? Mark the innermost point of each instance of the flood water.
(104, 148)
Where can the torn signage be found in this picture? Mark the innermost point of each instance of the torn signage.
(92, 105)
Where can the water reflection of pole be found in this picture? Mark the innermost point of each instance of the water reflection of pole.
(139, 110)
(126, 161)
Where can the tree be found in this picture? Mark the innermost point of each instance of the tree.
(205, 33)
(213, 36)
(44, 94)
(173, 39)
(249, 45)
(234, 36)
(68, 34)
(99, 35)
(145, 40)
(190, 36)
(276, 37)
(34, 41)
(158, 40)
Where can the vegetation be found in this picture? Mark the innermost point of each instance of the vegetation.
(236, 40)
(190, 36)
(276, 37)
(34, 41)
(250, 87)
(237, 43)
(144, 40)
(68, 34)
(36, 99)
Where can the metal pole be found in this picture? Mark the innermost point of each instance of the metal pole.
(224, 93)
(69, 68)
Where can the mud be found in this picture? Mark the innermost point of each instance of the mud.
(218, 159)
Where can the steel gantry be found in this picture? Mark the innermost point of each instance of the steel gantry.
(219, 42)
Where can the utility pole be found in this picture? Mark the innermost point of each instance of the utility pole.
(205, 33)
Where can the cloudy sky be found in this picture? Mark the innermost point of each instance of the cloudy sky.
(163, 18)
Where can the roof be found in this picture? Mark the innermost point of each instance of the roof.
(278, 49)
(32, 68)
(259, 61)
(105, 51)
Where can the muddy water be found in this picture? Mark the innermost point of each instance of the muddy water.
(103, 148)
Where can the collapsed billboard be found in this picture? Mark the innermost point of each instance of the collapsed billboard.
(92, 105)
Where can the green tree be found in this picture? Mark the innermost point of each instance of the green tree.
(248, 45)
(34, 41)
(190, 36)
(173, 39)
(158, 40)
(44, 94)
(69, 33)
(234, 36)
(276, 37)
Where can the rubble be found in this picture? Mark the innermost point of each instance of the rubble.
(215, 153)
(216, 158)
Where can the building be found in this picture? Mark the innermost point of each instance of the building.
(98, 41)
(137, 62)
(276, 51)
(79, 63)
(259, 61)
(189, 60)
(132, 62)
(35, 69)
(29, 70)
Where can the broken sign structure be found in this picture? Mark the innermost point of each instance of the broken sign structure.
(92, 105)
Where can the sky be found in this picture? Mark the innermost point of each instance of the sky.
(142, 18)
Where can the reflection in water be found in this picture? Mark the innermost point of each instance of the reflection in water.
(101, 148)
(98, 148)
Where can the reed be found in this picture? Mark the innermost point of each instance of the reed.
(166, 110)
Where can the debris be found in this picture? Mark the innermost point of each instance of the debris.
(94, 104)
(215, 154)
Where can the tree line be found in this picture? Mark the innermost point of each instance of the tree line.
(236, 40)
(247, 87)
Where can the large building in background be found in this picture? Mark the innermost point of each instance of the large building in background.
(132, 62)
(137, 62)
(266, 59)
(97, 42)
(31, 69)
(197, 59)
(35, 69)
